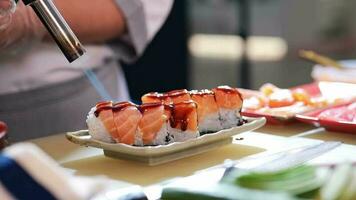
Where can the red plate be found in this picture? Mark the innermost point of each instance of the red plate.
(312, 89)
(331, 125)
(271, 119)
(310, 117)
(3, 129)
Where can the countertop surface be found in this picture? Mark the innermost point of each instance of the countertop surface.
(91, 161)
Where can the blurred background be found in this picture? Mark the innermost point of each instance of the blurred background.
(243, 43)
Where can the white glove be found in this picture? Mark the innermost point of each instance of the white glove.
(18, 28)
(6, 8)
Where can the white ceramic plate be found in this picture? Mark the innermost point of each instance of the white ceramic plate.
(153, 155)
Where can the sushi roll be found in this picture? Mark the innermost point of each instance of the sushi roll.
(109, 122)
(153, 124)
(175, 116)
(208, 111)
(127, 117)
(177, 96)
(100, 121)
(229, 101)
(183, 121)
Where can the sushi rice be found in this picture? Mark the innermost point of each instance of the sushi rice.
(229, 117)
(178, 135)
(97, 129)
(210, 123)
(161, 138)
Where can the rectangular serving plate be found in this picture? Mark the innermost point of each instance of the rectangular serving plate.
(155, 155)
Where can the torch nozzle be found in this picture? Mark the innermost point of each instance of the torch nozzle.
(58, 28)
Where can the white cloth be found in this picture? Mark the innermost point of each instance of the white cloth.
(44, 64)
(49, 175)
(155, 12)
(347, 74)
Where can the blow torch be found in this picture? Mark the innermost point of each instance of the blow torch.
(57, 27)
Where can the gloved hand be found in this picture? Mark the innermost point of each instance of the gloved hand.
(18, 28)
(6, 8)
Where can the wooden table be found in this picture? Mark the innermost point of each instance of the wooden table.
(91, 162)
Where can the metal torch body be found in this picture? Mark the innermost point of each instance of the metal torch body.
(58, 28)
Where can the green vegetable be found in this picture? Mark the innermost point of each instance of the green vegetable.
(296, 181)
(220, 191)
(293, 183)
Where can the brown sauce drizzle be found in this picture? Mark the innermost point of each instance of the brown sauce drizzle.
(110, 106)
(177, 96)
(101, 106)
(173, 96)
(180, 114)
(117, 107)
(142, 108)
(122, 105)
(104, 103)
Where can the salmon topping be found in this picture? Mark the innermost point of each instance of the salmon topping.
(205, 101)
(104, 113)
(126, 120)
(227, 97)
(152, 120)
